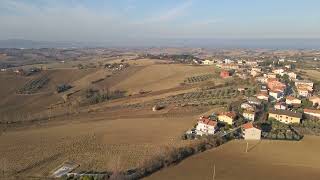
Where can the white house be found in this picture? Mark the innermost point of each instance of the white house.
(276, 94)
(279, 71)
(208, 62)
(280, 105)
(249, 115)
(292, 100)
(263, 96)
(249, 132)
(247, 106)
(228, 61)
(292, 75)
(206, 125)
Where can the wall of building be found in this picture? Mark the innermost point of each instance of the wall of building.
(252, 134)
(226, 119)
(284, 118)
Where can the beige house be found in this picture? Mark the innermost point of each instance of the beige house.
(285, 116)
(249, 132)
(227, 117)
(292, 100)
(303, 92)
(292, 75)
(306, 83)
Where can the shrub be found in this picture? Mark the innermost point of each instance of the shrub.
(63, 87)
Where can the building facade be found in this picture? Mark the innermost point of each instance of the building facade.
(285, 116)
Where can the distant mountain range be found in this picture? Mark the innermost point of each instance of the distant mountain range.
(203, 43)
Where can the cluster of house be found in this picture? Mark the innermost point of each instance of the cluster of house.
(208, 126)
(272, 89)
(284, 97)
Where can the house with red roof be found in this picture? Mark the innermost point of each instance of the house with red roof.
(224, 74)
(275, 85)
(206, 126)
(249, 132)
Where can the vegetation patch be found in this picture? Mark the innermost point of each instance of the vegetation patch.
(94, 96)
(63, 87)
(275, 130)
(196, 79)
(33, 86)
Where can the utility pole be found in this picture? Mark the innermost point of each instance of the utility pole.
(247, 147)
(214, 172)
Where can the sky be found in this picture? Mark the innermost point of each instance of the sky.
(126, 20)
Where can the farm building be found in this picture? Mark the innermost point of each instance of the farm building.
(285, 116)
(227, 117)
(249, 132)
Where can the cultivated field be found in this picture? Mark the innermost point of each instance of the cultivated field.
(313, 74)
(161, 76)
(278, 160)
(95, 141)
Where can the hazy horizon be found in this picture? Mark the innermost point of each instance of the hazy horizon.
(189, 43)
(141, 21)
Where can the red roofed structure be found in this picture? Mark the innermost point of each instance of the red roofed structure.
(248, 125)
(249, 132)
(224, 74)
(206, 125)
(275, 86)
